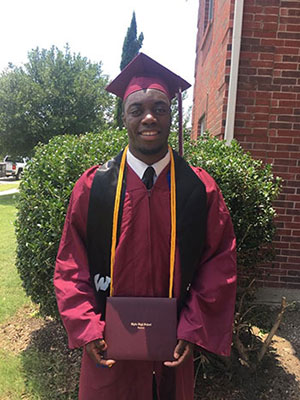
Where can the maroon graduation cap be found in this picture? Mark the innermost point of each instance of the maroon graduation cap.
(145, 73)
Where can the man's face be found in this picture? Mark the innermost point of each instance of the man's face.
(147, 117)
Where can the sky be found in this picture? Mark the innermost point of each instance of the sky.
(96, 29)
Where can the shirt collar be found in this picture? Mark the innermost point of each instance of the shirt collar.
(139, 166)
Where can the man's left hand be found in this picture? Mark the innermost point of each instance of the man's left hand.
(183, 351)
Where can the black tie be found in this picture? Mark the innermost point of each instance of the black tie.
(148, 177)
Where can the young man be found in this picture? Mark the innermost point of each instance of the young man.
(204, 266)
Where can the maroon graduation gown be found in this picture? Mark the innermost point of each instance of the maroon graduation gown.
(142, 269)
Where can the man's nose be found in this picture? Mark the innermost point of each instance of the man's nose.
(149, 118)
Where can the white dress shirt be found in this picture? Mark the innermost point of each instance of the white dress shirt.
(139, 166)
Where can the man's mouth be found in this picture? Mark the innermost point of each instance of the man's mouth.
(149, 133)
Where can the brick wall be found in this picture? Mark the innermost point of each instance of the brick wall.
(268, 115)
(213, 48)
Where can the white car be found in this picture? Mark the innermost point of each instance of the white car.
(2, 169)
(15, 166)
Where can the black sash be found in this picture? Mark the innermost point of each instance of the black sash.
(191, 224)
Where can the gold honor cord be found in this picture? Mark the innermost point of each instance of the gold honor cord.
(173, 223)
(116, 214)
(115, 219)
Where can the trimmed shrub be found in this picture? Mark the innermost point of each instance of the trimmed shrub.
(248, 187)
(43, 200)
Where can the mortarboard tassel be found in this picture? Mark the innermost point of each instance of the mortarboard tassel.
(180, 132)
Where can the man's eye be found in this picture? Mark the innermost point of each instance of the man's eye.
(161, 110)
(135, 112)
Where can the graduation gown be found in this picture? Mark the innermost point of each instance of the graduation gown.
(142, 269)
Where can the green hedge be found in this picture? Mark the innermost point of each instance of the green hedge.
(248, 188)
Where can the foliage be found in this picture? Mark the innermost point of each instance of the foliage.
(248, 187)
(54, 93)
(132, 43)
(131, 47)
(44, 196)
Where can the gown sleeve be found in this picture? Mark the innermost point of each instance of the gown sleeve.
(207, 318)
(74, 293)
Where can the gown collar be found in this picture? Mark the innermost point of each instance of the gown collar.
(139, 166)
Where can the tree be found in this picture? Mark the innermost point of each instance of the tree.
(131, 47)
(131, 44)
(55, 93)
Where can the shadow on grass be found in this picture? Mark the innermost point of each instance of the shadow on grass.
(51, 370)
(9, 199)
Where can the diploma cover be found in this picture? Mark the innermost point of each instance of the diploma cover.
(141, 328)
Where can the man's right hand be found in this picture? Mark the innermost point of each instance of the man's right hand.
(95, 350)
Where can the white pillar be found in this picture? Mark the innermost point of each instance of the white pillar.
(234, 69)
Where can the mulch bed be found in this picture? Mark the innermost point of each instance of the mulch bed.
(277, 377)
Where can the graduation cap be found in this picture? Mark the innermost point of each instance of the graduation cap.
(145, 73)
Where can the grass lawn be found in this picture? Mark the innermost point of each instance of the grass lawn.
(7, 186)
(12, 295)
(12, 385)
(35, 362)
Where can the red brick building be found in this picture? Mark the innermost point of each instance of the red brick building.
(247, 86)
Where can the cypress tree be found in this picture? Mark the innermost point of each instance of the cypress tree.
(131, 47)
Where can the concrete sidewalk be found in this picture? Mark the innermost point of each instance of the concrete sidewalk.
(10, 191)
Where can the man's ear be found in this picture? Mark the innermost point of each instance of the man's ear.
(123, 114)
(124, 119)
